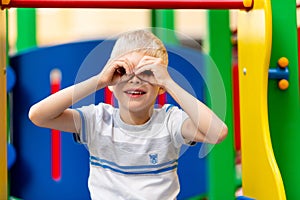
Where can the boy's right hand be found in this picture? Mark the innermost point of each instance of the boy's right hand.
(114, 70)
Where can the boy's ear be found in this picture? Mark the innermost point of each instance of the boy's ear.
(161, 91)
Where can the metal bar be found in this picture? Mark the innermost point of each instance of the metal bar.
(131, 4)
(55, 83)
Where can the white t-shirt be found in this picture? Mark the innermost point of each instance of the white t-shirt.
(128, 161)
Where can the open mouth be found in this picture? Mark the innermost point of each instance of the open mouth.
(135, 92)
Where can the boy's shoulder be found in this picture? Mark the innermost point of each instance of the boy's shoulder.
(105, 106)
(173, 112)
(166, 108)
(169, 107)
(97, 109)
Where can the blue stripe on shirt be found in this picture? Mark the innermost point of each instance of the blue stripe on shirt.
(83, 136)
(135, 172)
(169, 107)
(94, 159)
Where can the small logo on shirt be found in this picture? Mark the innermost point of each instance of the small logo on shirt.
(153, 158)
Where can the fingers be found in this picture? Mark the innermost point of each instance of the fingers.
(148, 68)
(123, 66)
(140, 69)
(148, 61)
(116, 69)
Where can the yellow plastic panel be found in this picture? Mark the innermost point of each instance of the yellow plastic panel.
(3, 120)
(261, 177)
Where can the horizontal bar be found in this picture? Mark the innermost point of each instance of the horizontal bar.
(130, 4)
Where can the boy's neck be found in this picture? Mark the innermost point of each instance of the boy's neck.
(135, 118)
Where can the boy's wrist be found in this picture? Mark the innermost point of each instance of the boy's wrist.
(98, 82)
(168, 84)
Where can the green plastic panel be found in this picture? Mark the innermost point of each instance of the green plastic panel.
(284, 110)
(221, 165)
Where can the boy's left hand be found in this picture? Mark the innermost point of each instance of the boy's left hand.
(152, 70)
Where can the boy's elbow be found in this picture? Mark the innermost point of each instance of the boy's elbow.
(34, 117)
(223, 134)
(216, 135)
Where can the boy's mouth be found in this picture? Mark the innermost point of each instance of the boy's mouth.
(135, 92)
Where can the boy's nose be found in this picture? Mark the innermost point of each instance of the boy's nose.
(135, 79)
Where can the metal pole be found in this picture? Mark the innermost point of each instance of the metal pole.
(134, 4)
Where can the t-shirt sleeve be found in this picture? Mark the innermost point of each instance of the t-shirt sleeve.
(88, 116)
(176, 117)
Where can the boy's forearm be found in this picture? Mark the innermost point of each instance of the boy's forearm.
(55, 104)
(203, 118)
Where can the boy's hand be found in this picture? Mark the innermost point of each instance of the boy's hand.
(114, 70)
(152, 70)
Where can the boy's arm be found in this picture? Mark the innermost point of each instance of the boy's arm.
(202, 125)
(54, 112)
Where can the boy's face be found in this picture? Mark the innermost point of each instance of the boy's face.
(135, 94)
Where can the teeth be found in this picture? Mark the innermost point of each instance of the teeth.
(135, 92)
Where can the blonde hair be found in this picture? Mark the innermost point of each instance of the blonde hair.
(140, 41)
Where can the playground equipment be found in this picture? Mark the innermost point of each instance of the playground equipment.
(258, 28)
(221, 180)
(281, 73)
(285, 130)
(152, 4)
(3, 103)
(253, 73)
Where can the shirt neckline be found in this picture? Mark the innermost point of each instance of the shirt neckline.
(134, 128)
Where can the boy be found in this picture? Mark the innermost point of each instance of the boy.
(133, 148)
